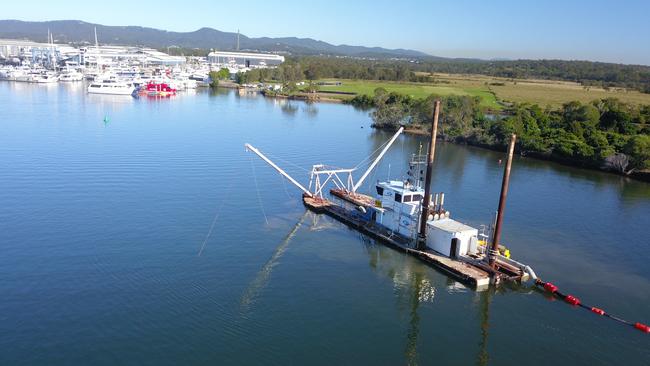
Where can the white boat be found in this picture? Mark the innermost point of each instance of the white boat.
(111, 87)
(24, 77)
(45, 78)
(72, 75)
(22, 74)
(5, 72)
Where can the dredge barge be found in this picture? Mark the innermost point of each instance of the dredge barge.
(406, 216)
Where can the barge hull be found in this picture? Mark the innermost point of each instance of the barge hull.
(461, 271)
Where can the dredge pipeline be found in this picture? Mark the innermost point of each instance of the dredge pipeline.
(572, 300)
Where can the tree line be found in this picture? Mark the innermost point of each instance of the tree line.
(606, 133)
(585, 72)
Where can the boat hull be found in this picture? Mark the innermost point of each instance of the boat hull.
(111, 90)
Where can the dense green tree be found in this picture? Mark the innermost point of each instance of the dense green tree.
(312, 72)
(389, 115)
(242, 78)
(638, 148)
(575, 133)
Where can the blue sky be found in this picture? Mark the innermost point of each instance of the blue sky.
(612, 31)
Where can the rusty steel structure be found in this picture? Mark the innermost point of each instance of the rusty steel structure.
(421, 244)
(502, 203)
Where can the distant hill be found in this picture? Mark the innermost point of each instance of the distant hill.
(76, 31)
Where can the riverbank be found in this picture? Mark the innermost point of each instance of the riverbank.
(307, 97)
(542, 134)
(642, 175)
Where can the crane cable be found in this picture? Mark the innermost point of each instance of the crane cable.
(367, 158)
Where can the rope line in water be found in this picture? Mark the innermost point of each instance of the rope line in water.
(216, 216)
(570, 299)
(257, 189)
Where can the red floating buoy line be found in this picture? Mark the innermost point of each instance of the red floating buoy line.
(572, 300)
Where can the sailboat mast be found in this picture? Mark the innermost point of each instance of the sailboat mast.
(52, 51)
(48, 55)
(421, 244)
(96, 51)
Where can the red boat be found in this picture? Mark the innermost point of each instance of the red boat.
(157, 90)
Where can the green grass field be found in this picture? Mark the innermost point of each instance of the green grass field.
(416, 90)
(541, 92)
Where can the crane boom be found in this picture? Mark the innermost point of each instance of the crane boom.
(272, 164)
(374, 163)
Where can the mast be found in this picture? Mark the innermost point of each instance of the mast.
(272, 164)
(52, 50)
(502, 202)
(374, 163)
(421, 244)
(97, 51)
(49, 55)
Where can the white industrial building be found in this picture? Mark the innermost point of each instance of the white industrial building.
(90, 56)
(245, 59)
(22, 49)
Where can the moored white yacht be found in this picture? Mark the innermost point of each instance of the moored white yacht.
(110, 86)
(45, 78)
(71, 75)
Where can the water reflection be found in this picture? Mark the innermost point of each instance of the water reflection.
(411, 285)
(632, 192)
(485, 297)
(310, 109)
(110, 100)
(262, 278)
(77, 87)
(362, 108)
(289, 108)
(215, 92)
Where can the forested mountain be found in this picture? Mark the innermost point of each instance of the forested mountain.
(75, 31)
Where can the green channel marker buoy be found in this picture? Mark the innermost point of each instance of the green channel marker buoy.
(106, 119)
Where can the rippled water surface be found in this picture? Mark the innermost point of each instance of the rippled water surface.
(139, 231)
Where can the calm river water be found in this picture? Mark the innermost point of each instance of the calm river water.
(106, 204)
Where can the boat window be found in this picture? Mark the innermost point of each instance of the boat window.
(417, 197)
(407, 198)
(398, 197)
(380, 190)
(95, 86)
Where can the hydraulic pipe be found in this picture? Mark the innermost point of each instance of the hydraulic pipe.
(427, 182)
(502, 202)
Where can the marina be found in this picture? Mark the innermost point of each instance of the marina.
(116, 69)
